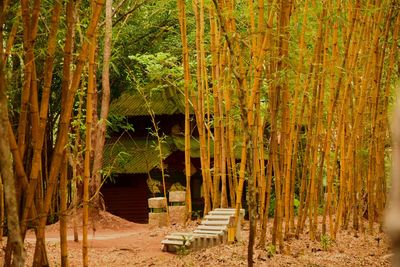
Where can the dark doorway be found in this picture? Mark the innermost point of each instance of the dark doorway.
(126, 197)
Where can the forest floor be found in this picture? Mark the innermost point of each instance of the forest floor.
(116, 242)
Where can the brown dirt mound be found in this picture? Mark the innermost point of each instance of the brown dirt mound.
(102, 220)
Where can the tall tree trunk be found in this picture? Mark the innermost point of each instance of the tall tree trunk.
(68, 48)
(199, 109)
(6, 168)
(186, 71)
(105, 106)
(63, 129)
(64, 212)
(88, 149)
(30, 29)
(39, 133)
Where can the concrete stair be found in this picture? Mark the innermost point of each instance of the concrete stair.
(212, 231)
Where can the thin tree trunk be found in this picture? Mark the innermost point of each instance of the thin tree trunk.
(68, 48)
(105, 106)
(11, 37)
(30, 29)
(204, 160)
(6, 168)
(39, 127)
(64, 212)
(88, 148)
(187, 84)
(63, 129)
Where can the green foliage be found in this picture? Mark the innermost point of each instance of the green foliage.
(183, 250)
(160, 70)
(152, 27)
(296, 204)
(122, 158)
(271, 250)
(271, 209)
(326, 242)
(118, 123)
(272, 205)
(107, 171)
(52, 218)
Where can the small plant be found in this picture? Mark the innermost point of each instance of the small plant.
(183, 250)
(196, 214)
(177, 187)
(153, 185)
(271, 250)
(326, 242)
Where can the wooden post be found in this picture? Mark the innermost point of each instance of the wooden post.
(177, 208)
(157, 214)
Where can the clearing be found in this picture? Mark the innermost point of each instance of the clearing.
(117, 242)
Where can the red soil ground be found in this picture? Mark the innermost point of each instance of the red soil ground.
(116, 242)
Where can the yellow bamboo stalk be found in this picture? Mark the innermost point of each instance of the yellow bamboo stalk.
(204, 159)
(63, 129)
(30, 28)
(63, 212)
(39, 120)
(6, 172)
(187, 83)
(88, 148)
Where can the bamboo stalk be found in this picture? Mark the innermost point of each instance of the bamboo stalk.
(187, 84)
(40, 120)
(64, 122)
(30, 28)
(63, 212)
(105, 106)
(88, 148)
(6, 172)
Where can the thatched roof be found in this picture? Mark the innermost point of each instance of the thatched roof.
(140, 155)
(133, 155)
(135, 104)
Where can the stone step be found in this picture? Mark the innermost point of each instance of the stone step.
(222, 213)
(172, 245)
(225, 212)
(218, 217)
(228, 209)
(215, 222)
(202, 240)
(182, 233)
(179, 237)
(218, 237)
(172, 242)
(211, 227)
(205, 235)
(212, 232)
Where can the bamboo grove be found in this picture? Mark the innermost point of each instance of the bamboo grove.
(303, 88)
(290, 99)
(41, 173)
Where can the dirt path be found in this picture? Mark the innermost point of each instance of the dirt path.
(117, 242)
(129, 247)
